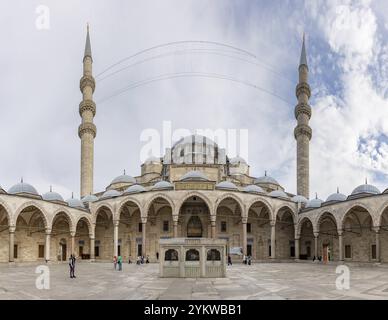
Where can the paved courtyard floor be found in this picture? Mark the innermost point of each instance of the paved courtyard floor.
(260, 281)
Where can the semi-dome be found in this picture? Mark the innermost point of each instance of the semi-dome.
(52, 196)
(278, 193)
(366, 188)
(75, 203)
(136, 188)
(266, 179)
(162, 185)
(237, 160)
(194, 138)
(336, 197)
(226, 185)
(90, 198)
(253, 189)
(314, 203)
(152, 159)
(23, 187)
(123, 179)
(299, 199)
(194, 175)
(110, 194)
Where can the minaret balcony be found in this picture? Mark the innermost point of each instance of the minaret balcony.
(87, 81)
(303, 88)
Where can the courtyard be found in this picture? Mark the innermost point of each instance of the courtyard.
(261, 281)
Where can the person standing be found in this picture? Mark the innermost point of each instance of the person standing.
(120, 262)
(71, 266)
(115, 262)
(74, 266)
(229, 260)
(147, 260)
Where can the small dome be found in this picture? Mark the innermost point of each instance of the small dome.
(194, 175)
(23, 187)
(110, 194)
(75, 203)
(136, 188)
(89, 198)
(366, 188)
(52, 196)
(278, 193)
(266, 179)
(237, 160)
(299, 199)
(253, 189)
(151, 160)
(226, 185)
(314, 203)
(123, 179)
(162, 185)
(336, 197)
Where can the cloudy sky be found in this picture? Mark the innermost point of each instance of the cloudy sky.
(242, 75)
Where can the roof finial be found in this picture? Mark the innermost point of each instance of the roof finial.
(303, 57)
(316, 195)
(265, 173)
(21, 180)
(337, 190)
(72, 195)
(366, 180)
(51, 188)
(124, 172)
(88, 47)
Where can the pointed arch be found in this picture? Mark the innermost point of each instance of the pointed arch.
(195, 194)
(37, 207)
(230, 195)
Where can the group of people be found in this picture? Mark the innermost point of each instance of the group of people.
(118, 261)
(247, 260)
(142, 260)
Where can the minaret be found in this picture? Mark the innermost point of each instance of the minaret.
(87, 130)
(303, 131)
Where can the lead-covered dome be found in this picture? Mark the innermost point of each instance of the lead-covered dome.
(124, 178)
(336, 197)
(52, 196)
(163, 185)
(366, 188)
(265, 179)
(226, 185)
(110, 194)
(314, 203)
(278, 194)
(23, 187)
(136, 188)
(89, 198)
(75, 203)
(253, 189)
(299, 199)
(194, 175)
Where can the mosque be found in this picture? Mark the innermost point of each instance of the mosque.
(194, 190)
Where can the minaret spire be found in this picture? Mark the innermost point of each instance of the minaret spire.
(87, 130)
(303, 132)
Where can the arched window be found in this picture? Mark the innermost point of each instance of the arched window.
(194, 227)
(171, 255)
(192, 255)
(213, 255)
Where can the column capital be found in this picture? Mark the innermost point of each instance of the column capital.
(116, 223)
(72, 233)
(213, 218)
(316, 234)
(175, 218)
(11, 229)
(340, 232)
(376, 229)
(144, 220)
(92, 237)
(48, 231)
(272, 223)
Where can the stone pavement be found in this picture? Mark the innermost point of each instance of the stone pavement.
(260, 281)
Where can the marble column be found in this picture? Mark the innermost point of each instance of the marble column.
(11, 243)
(175, 226)
(297, 250)
(273, 240)
(92, 248)
(316, 235)
(116, 238)
(245, 240)
(143, 240)
(213, 229)
(340, 245)
(47, 245)
(72, 241)
(378, 255)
